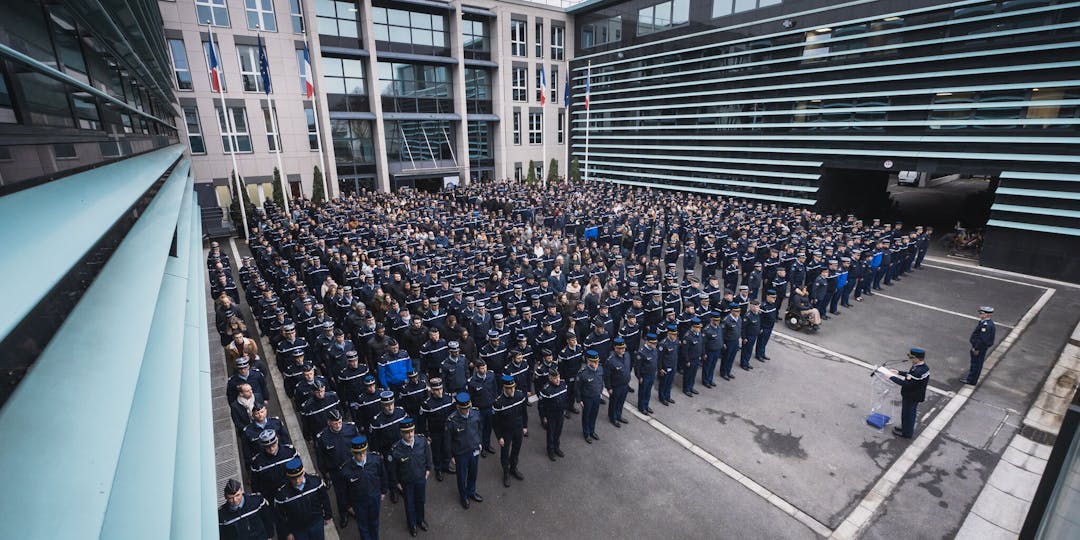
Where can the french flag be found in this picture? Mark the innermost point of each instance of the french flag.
(587, 77)
(543, 86)
(309, 84)
(215, 68)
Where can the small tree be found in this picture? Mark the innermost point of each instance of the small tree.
(234, 207)
(553, 171)
(318, 195)
(530, 179)
(278, 195)
(575, 171)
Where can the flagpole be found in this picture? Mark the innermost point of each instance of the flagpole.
(588, 78)
(220, 76)
(543, 126)
(273, 123)
(315, 112)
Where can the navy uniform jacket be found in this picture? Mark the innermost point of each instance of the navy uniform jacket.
(645, 362)
(713, 338)
(751, 324)
(617, 370)
(570, 361)
(384, 430)
(464, 432)
(982, 338)
(493, 356)
(409, 464)
(433, 414)
(252, 431)
(732, 329)
(668, 356)
(364, 482)
(482, 390)
(590, 382)
(768, 315)
(335, 448)
(299, 508)
(412, 395)
(350, 382)
(253, 520)
(454, 372)
(268, 472)
(366, 408)
(432, 354)
(913, 383)
(820, 289)
(692, 346)
(601, 343)
(314, 412)
(554, 399)
(510, 413)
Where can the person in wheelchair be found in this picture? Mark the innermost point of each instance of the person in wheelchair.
(801, 313)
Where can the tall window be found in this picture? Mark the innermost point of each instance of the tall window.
(260, 14)
(727, 7)
(273, 138)
(312, 129)
(337, 18)
(414, 80)
(519, 84)
(663, 16)
(517, 38)
(558, 42)
(240, 139)
(554, 83)
(296, 13)
(301, 68)
(477, 83)
(181, 67)
(561, 129)
(249, 68)
(517, 127)
(601, 32)
(352, 141)
(206, 58)
(194, 130)
(212, 12)
(409, 27)
(343, 76)
(539, 40)
(474, 36)
(536, 128)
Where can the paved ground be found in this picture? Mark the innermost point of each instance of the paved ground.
(784, 451)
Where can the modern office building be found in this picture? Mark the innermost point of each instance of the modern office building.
(819, 102)
(407, 92)
(104, 360)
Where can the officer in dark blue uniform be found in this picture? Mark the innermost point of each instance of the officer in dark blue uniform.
(511, 422)
(455, 369)
(333, 446)
(768, 321)
(366, 407)
(481, 388)
(384, 432)
(463, 430)
(244, 516)
(982, 338)
(732, 338)
(302, 504)
(645, 367)
(667, 363)
(410, 465)
(316, 409)
(366, 483)
(413, 393)
(913, 384)
(750, 331)
(714, 346)
(260, 422)
(590, 383)
(691, 353)
(268, 467)
(432, 423)
(617, 380)
(553, 397)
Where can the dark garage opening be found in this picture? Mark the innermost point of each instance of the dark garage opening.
(854, 191)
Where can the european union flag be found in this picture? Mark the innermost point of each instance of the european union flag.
(264, 67)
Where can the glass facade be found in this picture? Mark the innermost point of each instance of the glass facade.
(416, 141)
(354, 151)
(410, 31)
(415, 87)
(476, 39)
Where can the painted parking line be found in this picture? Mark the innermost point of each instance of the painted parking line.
(846, 358)
(935, 308)
(860, 517)
(976, 274)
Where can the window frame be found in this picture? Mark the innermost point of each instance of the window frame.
(554, 83)
(256, 75)
(536, 128)
(558, 46)
(519, 38)
(213, 6)
(296, 14)
(263, 10)
(560, 132)
(177, 70)
(519, 89)
(312, 129)
(230, 141)
(517, 127)
(221, 66)
(273, 138)
(539, 31)
(198, 133)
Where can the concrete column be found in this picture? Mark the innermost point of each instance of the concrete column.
(382, 174)
(457, 50)
(326, 137)
(500, 92)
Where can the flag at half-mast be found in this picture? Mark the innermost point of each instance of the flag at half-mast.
(566, 92)
(264, 67)
(215, 68)
(543, 86)
(309, 84)
(588, 75)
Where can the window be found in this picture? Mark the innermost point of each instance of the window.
(414, 80)
(538, 168)
(419, 140)
(518, 84)
(561, 129)
(536, 128)
(273, 138)
(477, 83)
(194, 129)
(312, 129)
(337, 18)
(240, 139)
(474, 36)
(296, 13)
(352, 141)
(343, 76)
(601, 32)
(517, 127)
(539, 40)
(727, 7)
(86, 110)
(249, 68)
(554, 84)
(212, 12)
(65, 151)
(558, 42)
(479, 140)
(206, 57)
(181, 68)
(409, 27)
(517, 172)
(7, 109)
(517, 38)
(539, 84)
(260, 14)
(301, 68)
(663, 16)
(813, 46)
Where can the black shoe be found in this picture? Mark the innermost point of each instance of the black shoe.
(649, 410)
(643, 411)
(744, 368)
(595, 437)
(616, 423)
(393, 496)
(664, 402)
(688, 394)
(551, 456)
(517, 474)
(630, 390)
(730, 377)
(725, 377)
(344, 521)
(824, 317)
(762, 360)
(506, 479)
(603, 401)
(588, 439)
(438, 476)
(559, 452)
(695, 392)
(465, 504)
(624, 421)
(566, 414)
(763, 357)
(422, 525)
(476, 497)
(412, 531)
(671, 401)
(749, 366)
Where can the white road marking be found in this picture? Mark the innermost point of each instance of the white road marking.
(860, 517)
(935, 308)
(939, 267)
(846, 358)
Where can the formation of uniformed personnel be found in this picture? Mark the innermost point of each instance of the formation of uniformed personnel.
(913, 384)
(244, 516)
(982, 338)
(410, 465)
(691, 353)
(646, 363)
(268, 466)
(617, 375)
(302, 505)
